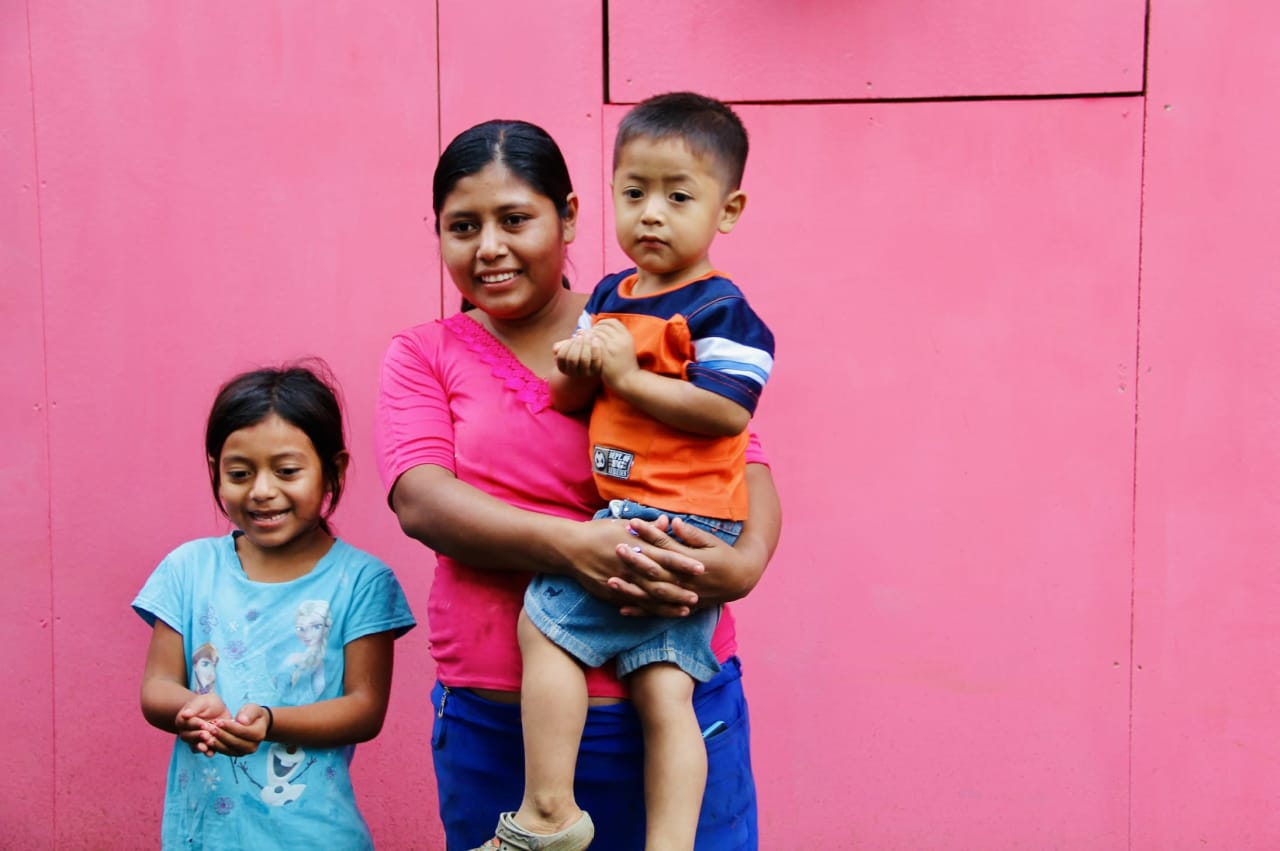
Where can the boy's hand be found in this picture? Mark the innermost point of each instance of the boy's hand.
(580, 356)
(618, 350)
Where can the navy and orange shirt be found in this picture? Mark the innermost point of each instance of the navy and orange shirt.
(702, 331)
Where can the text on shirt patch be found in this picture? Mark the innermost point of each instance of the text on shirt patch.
(615, 463)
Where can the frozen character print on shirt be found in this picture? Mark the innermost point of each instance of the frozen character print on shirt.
(204, 668)
(285, 766)
(302, 679)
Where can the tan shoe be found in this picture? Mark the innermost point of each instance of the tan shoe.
(512, 837)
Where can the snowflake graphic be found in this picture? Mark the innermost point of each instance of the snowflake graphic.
(236, 649)
(252, 615)
(211, 778)
(223, 805)
(210, 618)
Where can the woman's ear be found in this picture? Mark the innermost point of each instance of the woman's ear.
(569, 221)
(731, 208)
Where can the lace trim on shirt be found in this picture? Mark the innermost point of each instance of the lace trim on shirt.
(506, 367)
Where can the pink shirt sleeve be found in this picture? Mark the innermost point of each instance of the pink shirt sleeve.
(412, 422)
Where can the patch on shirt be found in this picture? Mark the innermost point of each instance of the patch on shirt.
(615, 463)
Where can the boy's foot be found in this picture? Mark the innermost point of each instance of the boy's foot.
(512, 837)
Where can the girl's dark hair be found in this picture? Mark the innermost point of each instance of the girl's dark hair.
(525, 149)
(303, 395)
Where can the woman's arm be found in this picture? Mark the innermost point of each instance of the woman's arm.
(354, 717)
(731, 572)
(462, 522)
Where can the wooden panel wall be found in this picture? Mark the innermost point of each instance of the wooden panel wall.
(760, 50)
(1023, 421)
(946, 626)
(1206, 754)
(26, 611)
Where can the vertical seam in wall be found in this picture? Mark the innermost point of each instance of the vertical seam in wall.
(1137, 391)
(606, 154)
(439, 87)
(604, 54)
(48, 441)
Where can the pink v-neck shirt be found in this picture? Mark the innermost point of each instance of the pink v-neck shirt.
(452, 395)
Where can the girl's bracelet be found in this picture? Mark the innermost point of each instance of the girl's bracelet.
(271, 720)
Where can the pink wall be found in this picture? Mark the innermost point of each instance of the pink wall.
(1024, 420)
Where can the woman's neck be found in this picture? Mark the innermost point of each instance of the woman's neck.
(530, 338)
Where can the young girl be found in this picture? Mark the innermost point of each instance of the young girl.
(262, 759)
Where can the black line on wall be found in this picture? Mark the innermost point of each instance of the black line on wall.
(604, 48)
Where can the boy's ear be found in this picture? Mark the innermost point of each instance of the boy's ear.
(569, 223)
(731, 208)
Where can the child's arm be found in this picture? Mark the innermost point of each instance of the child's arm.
(672, 401)
(577, 377)
(354, 717)
(167, 703)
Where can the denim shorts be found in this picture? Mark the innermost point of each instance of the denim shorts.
(478, 752)
(593, 631)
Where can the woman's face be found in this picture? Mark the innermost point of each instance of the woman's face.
(503, 243)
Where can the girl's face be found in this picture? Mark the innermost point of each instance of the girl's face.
(271, 483)
(503, 243)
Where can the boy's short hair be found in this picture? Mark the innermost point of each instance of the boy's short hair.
(709, 127)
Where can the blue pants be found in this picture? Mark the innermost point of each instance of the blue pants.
(479, 762)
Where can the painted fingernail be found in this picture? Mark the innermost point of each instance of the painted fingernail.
(633, 532)
(636, 550)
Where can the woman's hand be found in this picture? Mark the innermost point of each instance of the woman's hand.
(656, 575)
(595, 549)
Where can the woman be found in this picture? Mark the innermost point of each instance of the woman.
(482, 470)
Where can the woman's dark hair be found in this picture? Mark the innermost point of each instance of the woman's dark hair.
(303, 395)
(525, 149)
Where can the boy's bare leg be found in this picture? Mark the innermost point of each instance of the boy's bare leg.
(553, 710)
(675, 757)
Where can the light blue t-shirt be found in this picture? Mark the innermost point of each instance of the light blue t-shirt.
(274, 644)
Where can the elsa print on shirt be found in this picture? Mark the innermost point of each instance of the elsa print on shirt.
(302, 679)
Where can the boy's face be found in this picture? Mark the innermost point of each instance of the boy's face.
(668, 205)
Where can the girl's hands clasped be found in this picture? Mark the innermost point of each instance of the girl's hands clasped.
(196, 715)
(219, 733)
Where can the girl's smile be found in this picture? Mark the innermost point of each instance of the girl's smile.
(271, 482)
